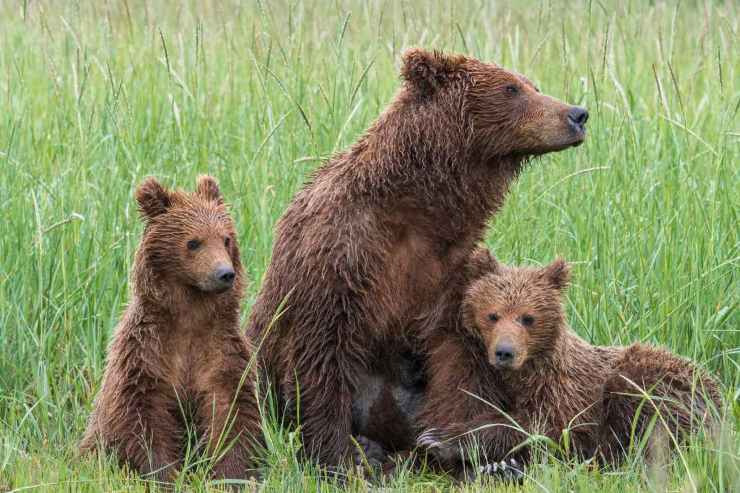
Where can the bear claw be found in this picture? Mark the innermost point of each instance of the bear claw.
(511, 471)
(430, 438)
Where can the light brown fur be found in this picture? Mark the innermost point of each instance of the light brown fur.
(178, 345)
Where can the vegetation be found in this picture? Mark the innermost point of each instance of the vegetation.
(97, 95)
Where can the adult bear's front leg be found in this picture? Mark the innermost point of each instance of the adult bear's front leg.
(321, 390)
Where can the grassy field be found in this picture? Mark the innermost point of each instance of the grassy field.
(96, 95)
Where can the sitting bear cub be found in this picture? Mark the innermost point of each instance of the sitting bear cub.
(178, 346)
(514, 368)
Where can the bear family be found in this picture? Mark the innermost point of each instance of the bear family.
(512, 367)
(178, 346)
(366, 250)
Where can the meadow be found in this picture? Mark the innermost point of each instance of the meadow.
(94, 96)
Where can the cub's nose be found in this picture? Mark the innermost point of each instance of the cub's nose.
(504, 354)
(577, 117)
(224, 276)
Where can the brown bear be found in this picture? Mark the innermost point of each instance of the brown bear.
(178, 345)
(512, 367)
(363, 253)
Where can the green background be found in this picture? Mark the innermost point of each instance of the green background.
(94, 96)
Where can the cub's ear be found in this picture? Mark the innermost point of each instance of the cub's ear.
(153, 198)
(207, 188)
(557, 274)
(427, 71)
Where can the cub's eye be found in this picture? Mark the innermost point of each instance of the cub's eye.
(193, 244)
(227, 242)
(512, 89)
(528, 320)
(493, 317)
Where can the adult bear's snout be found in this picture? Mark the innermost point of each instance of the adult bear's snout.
(577, 117)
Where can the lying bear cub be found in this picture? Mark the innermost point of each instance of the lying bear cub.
(513, 368)
(178, 347)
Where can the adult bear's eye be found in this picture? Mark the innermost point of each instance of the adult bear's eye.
(227, 242)
(528, 320)
(193, 244)
(493, 317)
(512, 89)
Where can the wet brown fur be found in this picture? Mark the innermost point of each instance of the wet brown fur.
(178, 345)
(364, 251)
(557, 380)
(395, 393)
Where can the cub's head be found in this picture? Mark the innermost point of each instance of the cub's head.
(189, 238)
(517, 312)
(510, 116)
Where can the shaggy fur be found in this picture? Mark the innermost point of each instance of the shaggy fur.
(388, 401)
(514, 350)
(178, 346)
(364, 251)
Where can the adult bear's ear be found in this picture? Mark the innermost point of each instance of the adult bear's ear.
(153, 198)
(207, 188)
(427, 71)
(557, 274)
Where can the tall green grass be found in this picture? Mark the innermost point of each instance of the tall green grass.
(96, 95)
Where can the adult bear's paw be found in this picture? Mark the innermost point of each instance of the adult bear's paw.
(368, 453)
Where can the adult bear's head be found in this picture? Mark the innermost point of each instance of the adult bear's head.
(508, 114)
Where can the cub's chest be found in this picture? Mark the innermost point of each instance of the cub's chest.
(188, 353)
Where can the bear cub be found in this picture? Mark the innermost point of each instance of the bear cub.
(177, 354)
(517, 369)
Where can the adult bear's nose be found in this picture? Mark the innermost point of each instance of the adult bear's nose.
(577, 117)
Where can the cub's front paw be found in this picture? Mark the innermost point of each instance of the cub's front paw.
(510, 471)
(437, 444)
(430, 438)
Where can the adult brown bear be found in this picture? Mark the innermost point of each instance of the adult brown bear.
(364, 251)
